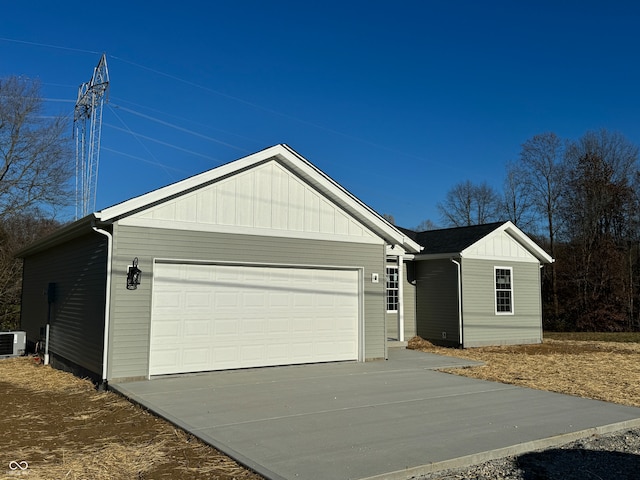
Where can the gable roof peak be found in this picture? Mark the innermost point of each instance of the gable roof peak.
(455, 240)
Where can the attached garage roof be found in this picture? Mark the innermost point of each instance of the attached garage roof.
(281, 153)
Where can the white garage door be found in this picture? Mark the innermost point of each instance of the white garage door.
(217, 317)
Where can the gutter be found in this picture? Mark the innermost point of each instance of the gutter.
(57, 237)
(460, 325)
(107, 306)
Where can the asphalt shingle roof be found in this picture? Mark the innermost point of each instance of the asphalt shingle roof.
(450, 240)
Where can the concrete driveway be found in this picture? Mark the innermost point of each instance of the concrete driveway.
(385, 419)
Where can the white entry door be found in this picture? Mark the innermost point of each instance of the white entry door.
(217, 317)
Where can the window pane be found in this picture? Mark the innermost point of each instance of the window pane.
(503, 299)
(392, 289)
(503, 278)
(504, 292)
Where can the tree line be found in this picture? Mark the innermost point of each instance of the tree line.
(580, 200)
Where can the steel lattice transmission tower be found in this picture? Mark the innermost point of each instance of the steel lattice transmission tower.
(87, 122)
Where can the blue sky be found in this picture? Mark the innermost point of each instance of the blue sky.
(396, 101)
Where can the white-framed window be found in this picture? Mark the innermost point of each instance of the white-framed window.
(392, 288)
(504, 290)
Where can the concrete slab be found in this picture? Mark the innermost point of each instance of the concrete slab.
(387, 419)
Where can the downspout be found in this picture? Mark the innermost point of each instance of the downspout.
(540, 301)
(460, 326)
(107, 306)
(400, 300)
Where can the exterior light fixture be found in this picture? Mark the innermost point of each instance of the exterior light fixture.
(133, 275)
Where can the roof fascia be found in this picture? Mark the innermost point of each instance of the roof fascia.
(61, 235)
(529, 244)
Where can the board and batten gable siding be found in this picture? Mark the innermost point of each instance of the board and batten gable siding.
(267, 199)
(78, 269)
(409, 291)
(131, 309)
(482, 326)
(437, 301)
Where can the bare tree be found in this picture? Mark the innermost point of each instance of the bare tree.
(542, 174)
(425, 225)
(468, 204)
(517, 201)
(35, 155)
(389, 218)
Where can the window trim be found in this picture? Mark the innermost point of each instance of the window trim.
(395, 289)
(510, 290)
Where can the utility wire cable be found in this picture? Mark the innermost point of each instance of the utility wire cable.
(177, 127)
(145, 160)
(182, 119)
(128, 130)
(48, 45)
(234, 98)
(161, 142)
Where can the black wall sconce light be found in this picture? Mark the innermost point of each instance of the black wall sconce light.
(133, 275)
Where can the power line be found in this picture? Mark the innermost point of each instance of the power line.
(146, 160)
(161, 142)
(234, 98)
(128, 130)
(48, 45)
(182, 119)
(177, 127)
(347, 136)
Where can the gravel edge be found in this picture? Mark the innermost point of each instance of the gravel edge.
(610, 456)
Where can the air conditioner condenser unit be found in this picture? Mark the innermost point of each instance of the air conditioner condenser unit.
(12, 344)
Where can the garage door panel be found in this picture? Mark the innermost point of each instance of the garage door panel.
(198, 299)
(226, 299)
(167, 330)
(193, 338)
(304, 300)
(278, 351)
(225, 327)
(213, 317)
(168, 299)
(226, 354)
(276, 327)
(165, 359)
(196, 357)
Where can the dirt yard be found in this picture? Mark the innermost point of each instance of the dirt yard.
(593, 369)
(65, 429)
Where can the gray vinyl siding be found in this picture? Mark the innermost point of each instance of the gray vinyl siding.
(481, 324)
(409, 295)
(78, 269)
(131, 309)
(437, 301)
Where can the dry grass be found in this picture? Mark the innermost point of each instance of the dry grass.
(65, 429)
(606, 371)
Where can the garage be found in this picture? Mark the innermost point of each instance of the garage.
(262, 261)
(225, 316)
